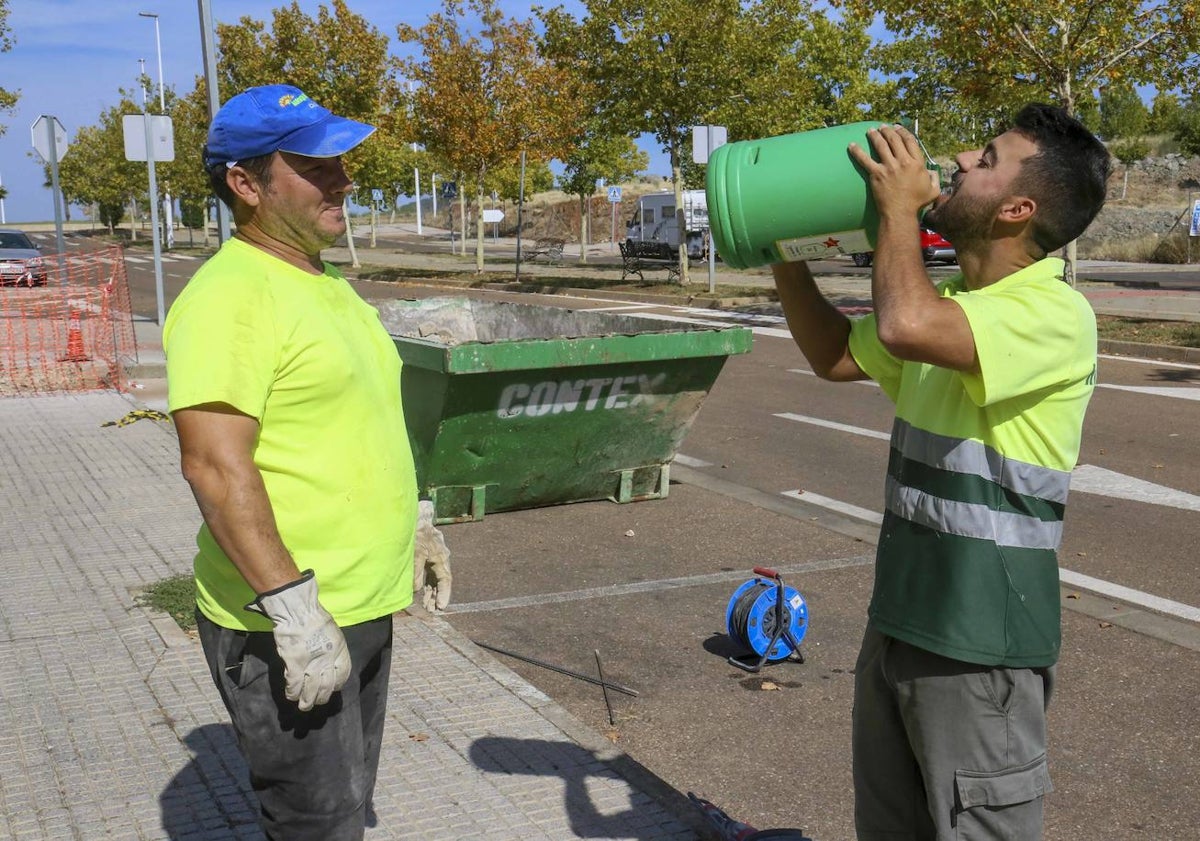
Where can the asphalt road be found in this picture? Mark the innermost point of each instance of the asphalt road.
(647, 584)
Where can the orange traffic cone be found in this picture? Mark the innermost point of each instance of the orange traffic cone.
(75, 350)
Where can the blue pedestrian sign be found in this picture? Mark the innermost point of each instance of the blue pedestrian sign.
(614, 194)
(1195, 229)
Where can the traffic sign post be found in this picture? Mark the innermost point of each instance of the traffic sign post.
(50, 141)
(614, 198)
(1194, 230)
(705, 139)
(149, 138)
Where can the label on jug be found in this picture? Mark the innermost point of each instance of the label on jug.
(824, 245)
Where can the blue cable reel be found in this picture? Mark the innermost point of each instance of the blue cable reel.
(767, 618)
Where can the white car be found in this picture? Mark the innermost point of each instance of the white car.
(21, 261)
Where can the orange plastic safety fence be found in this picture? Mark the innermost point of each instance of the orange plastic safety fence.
(74, 333)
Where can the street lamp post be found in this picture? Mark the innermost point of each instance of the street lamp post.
(168, 223)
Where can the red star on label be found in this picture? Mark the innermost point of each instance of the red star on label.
(832, 243)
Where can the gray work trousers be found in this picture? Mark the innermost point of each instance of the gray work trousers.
(313, 772)
(944, 749)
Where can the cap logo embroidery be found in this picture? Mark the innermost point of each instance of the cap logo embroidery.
(288, 99)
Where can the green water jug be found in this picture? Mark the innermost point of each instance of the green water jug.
(791, 197)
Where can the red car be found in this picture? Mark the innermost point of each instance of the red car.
(934, 247)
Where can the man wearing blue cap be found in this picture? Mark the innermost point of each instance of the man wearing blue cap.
(285, 390)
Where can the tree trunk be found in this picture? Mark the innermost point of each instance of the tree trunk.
(1069, 253)
(350, 232)
(685, 275)
(585, 211)
(462, 218)
(479, 226)
(1068, 104)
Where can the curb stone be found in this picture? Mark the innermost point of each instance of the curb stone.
(1141, 350)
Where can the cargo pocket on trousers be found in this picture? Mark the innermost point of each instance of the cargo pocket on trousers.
(1001, 804)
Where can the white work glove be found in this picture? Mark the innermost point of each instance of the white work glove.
(431, 561)
(315, 657)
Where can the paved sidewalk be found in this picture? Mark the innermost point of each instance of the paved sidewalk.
(110, 726)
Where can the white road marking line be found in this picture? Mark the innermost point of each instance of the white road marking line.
(709, 322)
(734, 316)
(1074, 579)
(1125, 594)
(653, 586)
(836, 505)
(626, 308)
(841, 427)
(1157, 362)
(1088, 478)
(1085, 478)
(688, 461)
(1180, 392)
(1157, 390)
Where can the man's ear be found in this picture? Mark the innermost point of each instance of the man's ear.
(1016, 209)
(243, 185)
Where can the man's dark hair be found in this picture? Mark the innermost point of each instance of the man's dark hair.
(1068, 177)
(259, 168)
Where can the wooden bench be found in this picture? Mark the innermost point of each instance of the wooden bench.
(551, 249)
(637, 257)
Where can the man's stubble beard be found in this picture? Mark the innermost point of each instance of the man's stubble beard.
(963, 220)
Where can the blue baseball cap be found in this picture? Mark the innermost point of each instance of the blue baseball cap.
(279, 118)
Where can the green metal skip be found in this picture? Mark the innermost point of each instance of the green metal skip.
(512, 406)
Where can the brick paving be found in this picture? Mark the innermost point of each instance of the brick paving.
(110, 726)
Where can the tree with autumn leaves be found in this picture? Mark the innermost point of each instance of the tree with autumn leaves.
(759, 67)
(483, 99)
(991, 56)
(341, 61)
(8, 99)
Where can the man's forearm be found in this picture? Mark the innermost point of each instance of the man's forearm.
(901, 291)
(820, 330)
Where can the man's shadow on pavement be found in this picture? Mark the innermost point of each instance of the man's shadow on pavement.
(574, 764)
(210, 799)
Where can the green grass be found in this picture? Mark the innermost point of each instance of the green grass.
(1176, 333)
(175, 596)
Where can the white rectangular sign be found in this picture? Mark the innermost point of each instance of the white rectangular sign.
(705, 139)
(1195, 231)
(162, 137)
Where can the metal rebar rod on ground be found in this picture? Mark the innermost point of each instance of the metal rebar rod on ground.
(618, 687)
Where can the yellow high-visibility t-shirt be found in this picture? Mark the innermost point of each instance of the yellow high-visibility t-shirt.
(309, 360)
(979, 471)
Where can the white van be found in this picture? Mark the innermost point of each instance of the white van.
(654, 227)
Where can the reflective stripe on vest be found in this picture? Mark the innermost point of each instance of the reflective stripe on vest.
(965, 488)
(976, 458)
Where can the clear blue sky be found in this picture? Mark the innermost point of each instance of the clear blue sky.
(72, 56)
